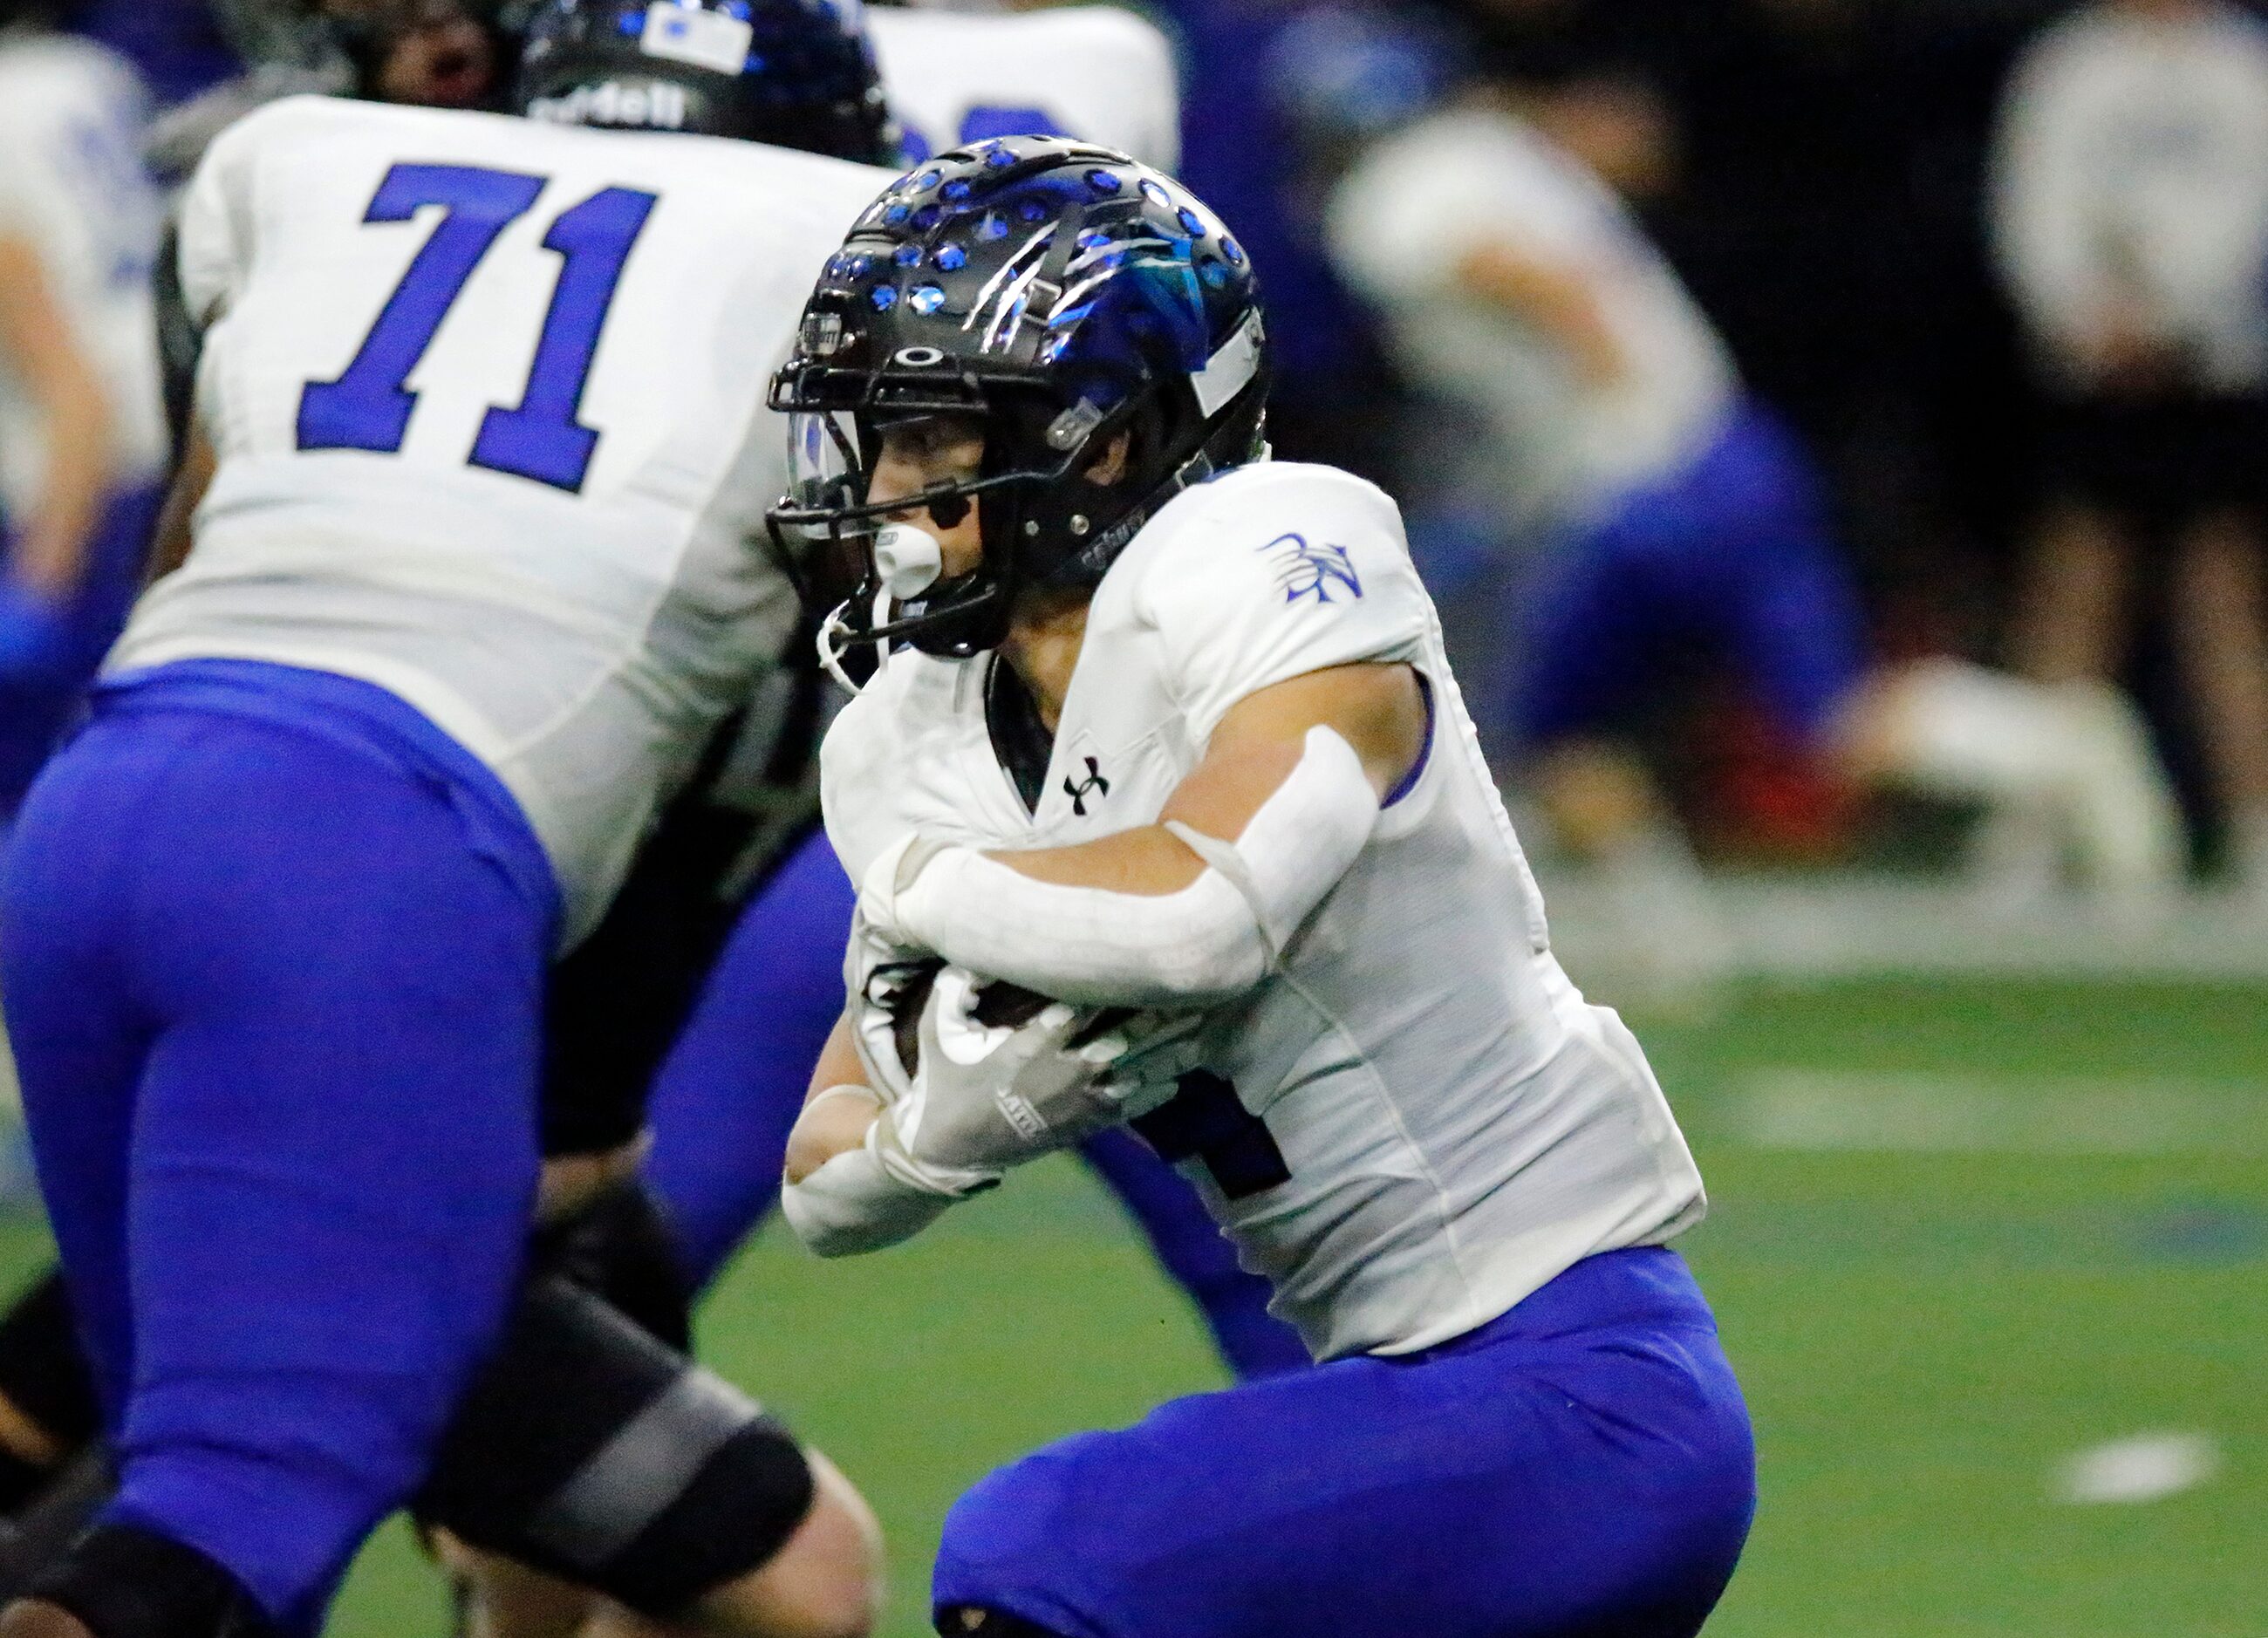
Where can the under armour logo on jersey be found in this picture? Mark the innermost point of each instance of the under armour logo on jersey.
(1304, 570)
(1094, 784)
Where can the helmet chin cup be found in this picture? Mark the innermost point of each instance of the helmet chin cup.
(908, 559)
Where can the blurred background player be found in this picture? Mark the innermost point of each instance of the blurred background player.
(1679, 513)
(294, 1093)
(82, 445)
(2130, 215)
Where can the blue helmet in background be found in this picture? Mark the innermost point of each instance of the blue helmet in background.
(794, 73)
(1059, 293)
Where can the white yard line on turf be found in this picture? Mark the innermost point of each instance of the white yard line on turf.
(1835, 1109)
(2145, 1467)
(1816, 926)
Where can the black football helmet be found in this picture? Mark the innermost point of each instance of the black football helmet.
(1061, 293)
(795, 73)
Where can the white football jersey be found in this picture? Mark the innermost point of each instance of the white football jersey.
(1416, 1120)
(1416, 203)
(489, 400)
(71, 185)
(1095, 72)
(2133, 170)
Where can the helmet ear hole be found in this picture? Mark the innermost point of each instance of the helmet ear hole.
(1108, 468)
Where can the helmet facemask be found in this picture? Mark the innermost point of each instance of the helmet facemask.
(864, 558)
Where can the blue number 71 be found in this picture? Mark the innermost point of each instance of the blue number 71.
(369, 407)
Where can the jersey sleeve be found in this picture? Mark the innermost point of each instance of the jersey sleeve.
(214, 234)
(859, 790)
(1283, 571)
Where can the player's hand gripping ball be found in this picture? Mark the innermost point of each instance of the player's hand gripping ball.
(889, 986)
(1002, 1075)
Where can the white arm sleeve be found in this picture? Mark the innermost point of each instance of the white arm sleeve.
(1213, 939)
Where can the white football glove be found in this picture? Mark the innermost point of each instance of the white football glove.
(989, 1097)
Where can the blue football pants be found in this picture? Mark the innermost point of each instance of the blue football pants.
(1731, 557)
(1580, 1467)
(276, 1012)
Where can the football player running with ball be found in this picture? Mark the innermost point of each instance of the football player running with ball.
(1164, 730)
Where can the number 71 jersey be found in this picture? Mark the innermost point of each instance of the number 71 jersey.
(488, 400)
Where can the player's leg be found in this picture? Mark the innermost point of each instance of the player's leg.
(2076, 754)
(1583, 1464)
(2070, 623)
(731, 1086)
(73, 1036)
(2220, 629)
(589, 1452)
(1598, 624)
(52, 1478)
(331, 1153)
(1185, 1239)
(48, 1409)
(2071, 617)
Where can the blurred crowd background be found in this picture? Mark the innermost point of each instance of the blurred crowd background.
(1978, 316)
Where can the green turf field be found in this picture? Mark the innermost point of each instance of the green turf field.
(1962, 1233)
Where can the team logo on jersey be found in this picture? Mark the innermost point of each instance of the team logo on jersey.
(1303, 570)
(1093, 785)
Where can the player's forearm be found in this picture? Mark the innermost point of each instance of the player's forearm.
(176, 522)
(831, 1125)
(1555, 301)
(837, 1196)
(50, 558)
(842, 1194)
(50, 554)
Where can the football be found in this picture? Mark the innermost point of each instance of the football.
(1000, 1005)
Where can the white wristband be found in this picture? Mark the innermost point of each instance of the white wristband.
(854, 1204)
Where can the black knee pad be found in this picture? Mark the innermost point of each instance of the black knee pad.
(39, 1534)
(42, 1371)
(587, 1450)
(620, 1248)
(124, 1583)
(965, 1620)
